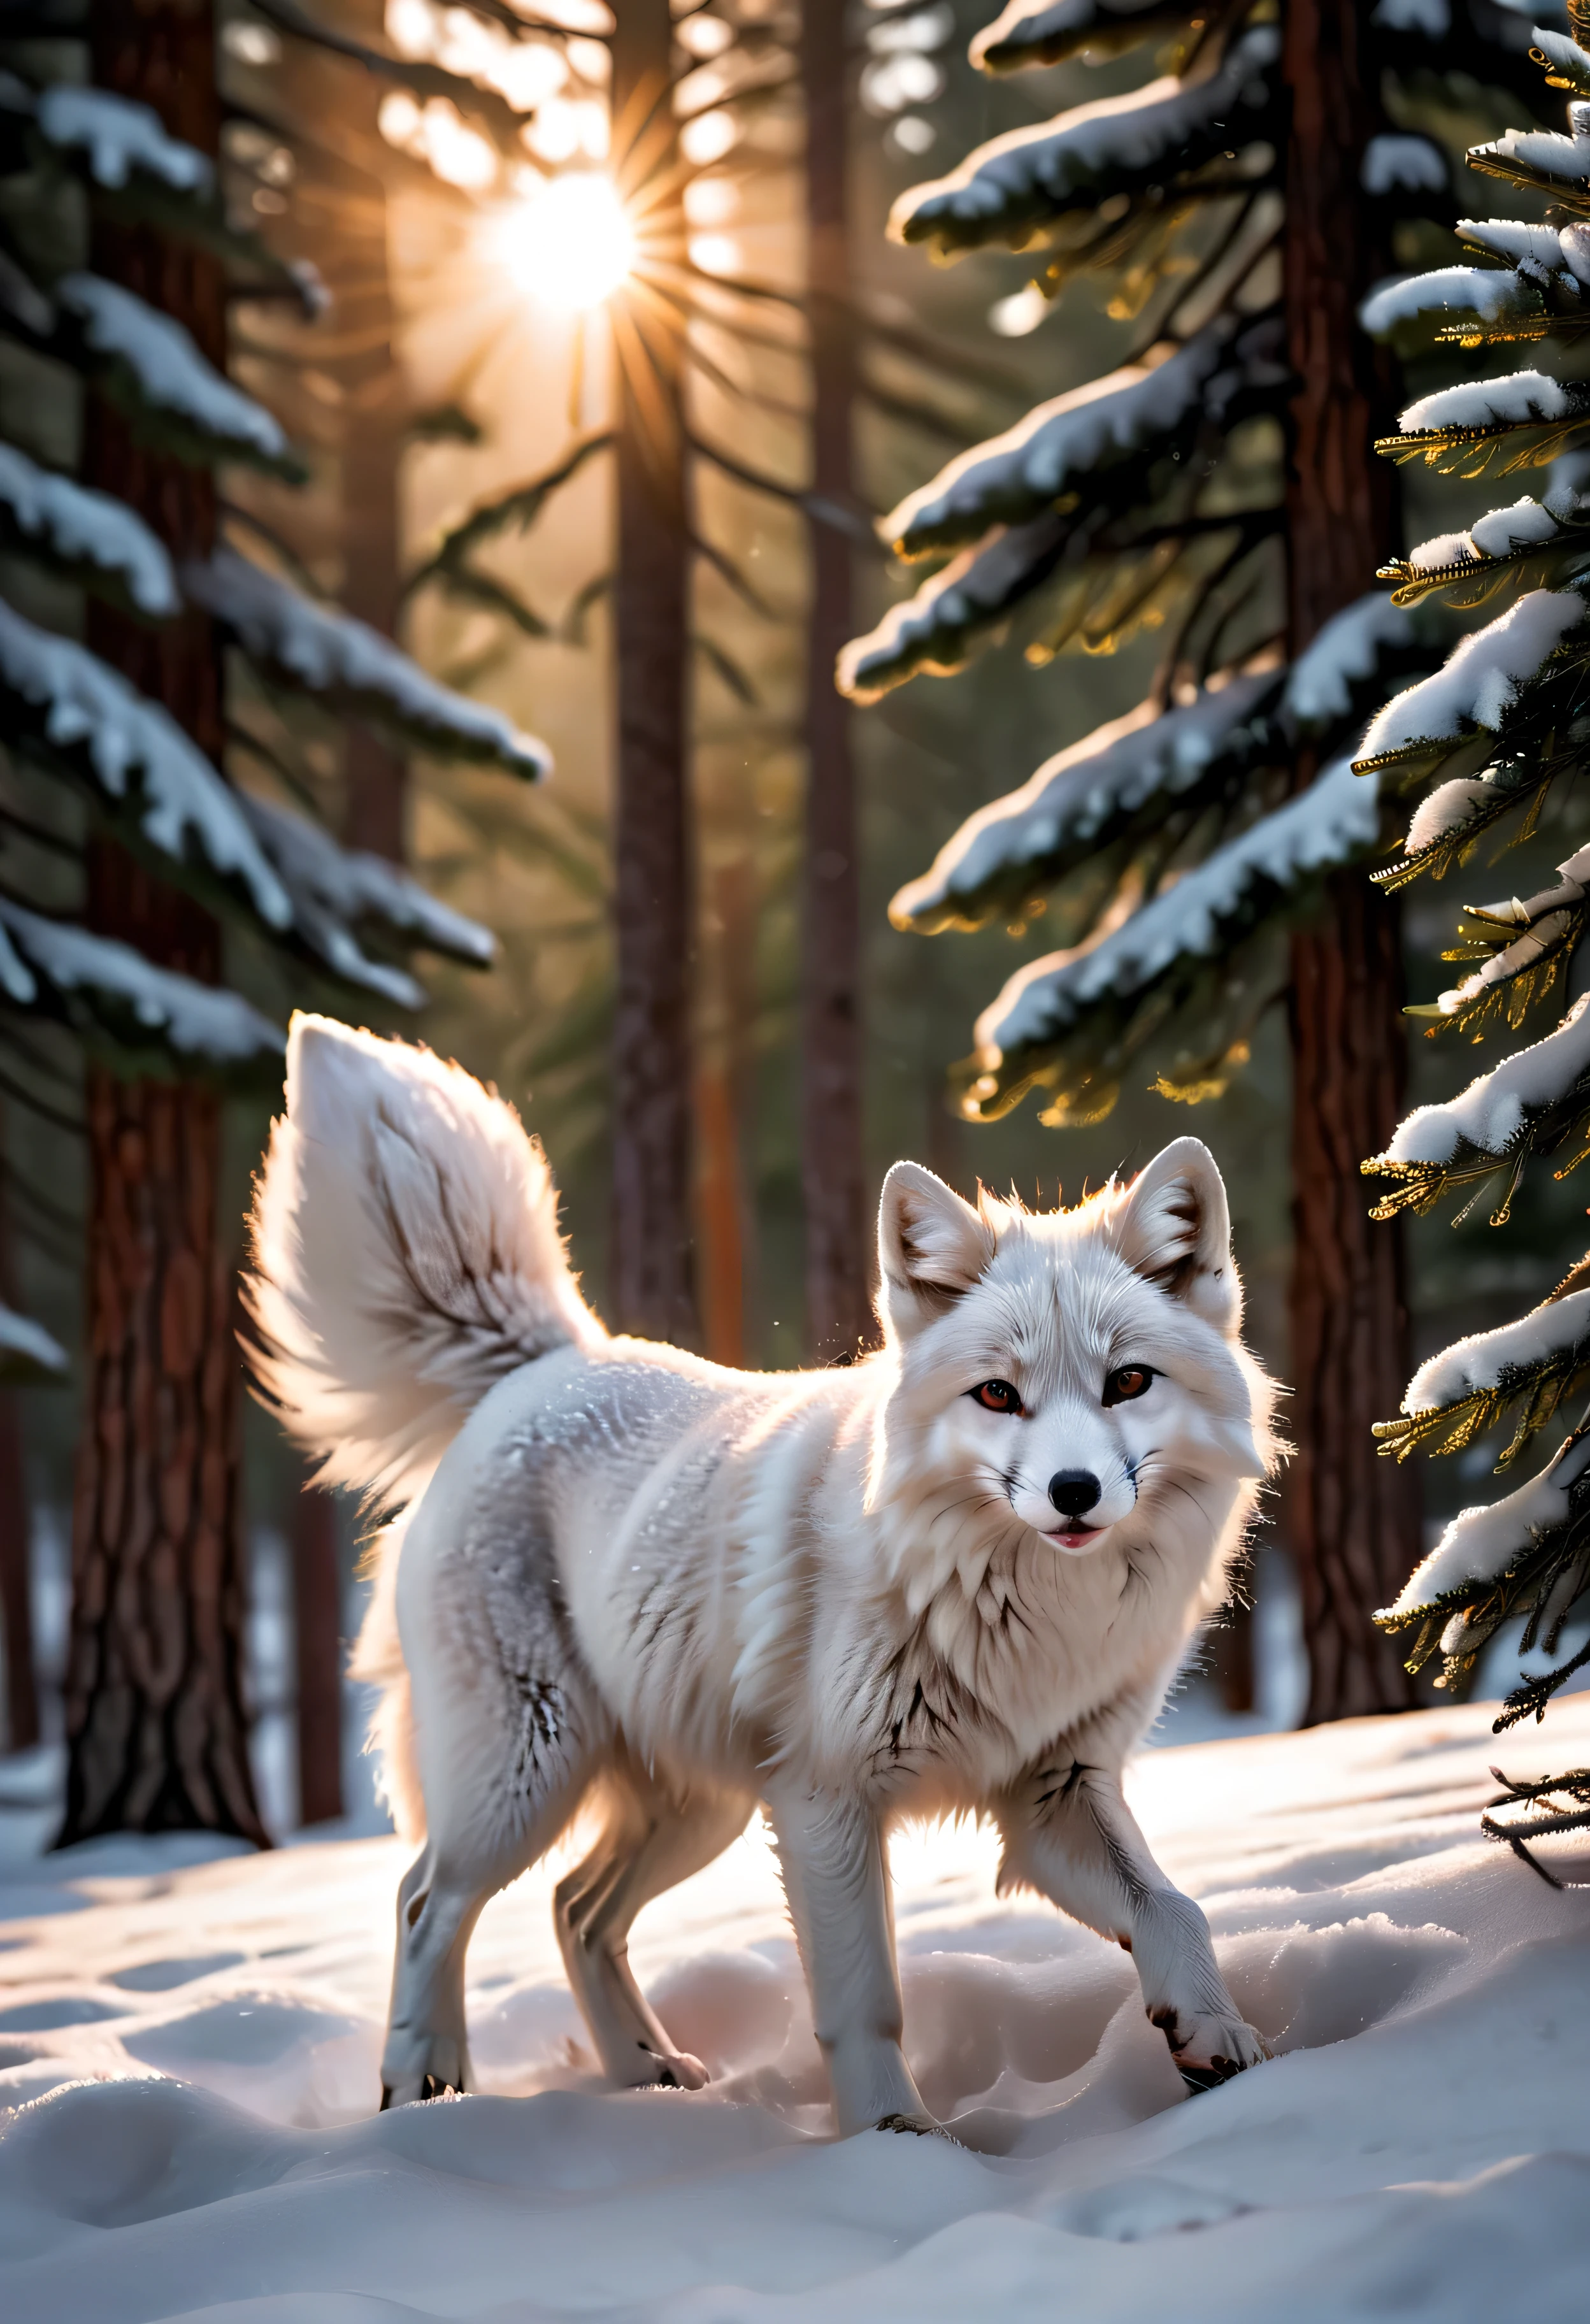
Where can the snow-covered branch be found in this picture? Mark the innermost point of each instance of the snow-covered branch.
(29, 1354)
(336, 891)
(1469, 698)
(1144, 968)
(157, 371)
(347, 664)
(1011, 189)
(936, 629)
(106, 991)
(120, 140)
(1124, 776)
(64, 700)
(1134, 415)
(1045, 32)
(84, 532)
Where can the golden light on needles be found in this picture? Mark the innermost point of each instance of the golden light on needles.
(569, 243)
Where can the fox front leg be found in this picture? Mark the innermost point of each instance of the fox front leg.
(1069, 1833)
(830, 1851)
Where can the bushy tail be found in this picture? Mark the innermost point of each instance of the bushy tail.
(406, 1257)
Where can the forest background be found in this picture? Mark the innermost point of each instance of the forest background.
(492, 383)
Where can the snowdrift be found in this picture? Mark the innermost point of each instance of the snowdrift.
(189, 2051)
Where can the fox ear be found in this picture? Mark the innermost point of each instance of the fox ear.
(930, 1247)
(1174, 1228)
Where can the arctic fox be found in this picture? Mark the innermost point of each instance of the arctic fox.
(956, 1576)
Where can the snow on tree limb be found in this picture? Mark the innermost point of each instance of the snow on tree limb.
(1524, 946)
(331, 655)
(336, 890)
(1136, 767)
(1012, 189)
(1349, 654)
(158, 372)
(1489, 296)
(108, 993)
(1123, 986)
(1540, 1358)
(1478, 686)
(66, 699)
(1134, 414)
(940, 626)
(119, 139)
(29, 1354)
(1046, 32)
(86, 531)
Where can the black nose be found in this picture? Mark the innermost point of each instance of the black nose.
(1073, 1491)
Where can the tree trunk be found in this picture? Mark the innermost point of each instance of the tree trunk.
(1355, 1518)
(318, 1654)
(650, 1275)
(838, 1318)
(16, 1591)
(155, 1725)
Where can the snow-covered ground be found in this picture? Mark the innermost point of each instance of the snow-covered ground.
(190, 2044)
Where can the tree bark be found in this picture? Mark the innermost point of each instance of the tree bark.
(1354, 1517)
(16, 1590)
(837, 1260)
(318, 1654)
(157, 1737)
(650, 1274)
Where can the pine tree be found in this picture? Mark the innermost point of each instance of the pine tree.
(136, 850)
(1199, 857)
(1501, 725)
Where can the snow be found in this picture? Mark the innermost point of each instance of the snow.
(1485, 1358)
(168, 366)
(1346, 653)
(1565, 55)
(197, 1020)
(1431, 17)
(1419, 2145)
(1021, 179)
(1494, 293)
(1035, 34)
(332, 653)
(1480, 1544)
(1123, 416)
(1490, 1113)
(27, 1350)
(1446, 808)
(1545, 150)
(118, 137)
(1500, 531)
(88, 528)
(334, 889)
(1332, 821)
(1482, 678)
(134, 744)
(1517, 243)
(1512, 400)
(1109, 776)
(1412, 162)
(934, 629)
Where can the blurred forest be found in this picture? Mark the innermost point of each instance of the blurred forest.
(449, 373)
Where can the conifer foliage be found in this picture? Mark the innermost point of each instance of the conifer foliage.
(129, 847)
(1218, 489)
(1505, 722)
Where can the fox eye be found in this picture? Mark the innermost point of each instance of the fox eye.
(1129, 1381)
(996, 1396)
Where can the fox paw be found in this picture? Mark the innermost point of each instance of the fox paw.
(1208, 2051)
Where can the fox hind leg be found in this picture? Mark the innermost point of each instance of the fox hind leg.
(650, 1839)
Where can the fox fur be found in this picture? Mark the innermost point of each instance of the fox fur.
(956, 1576)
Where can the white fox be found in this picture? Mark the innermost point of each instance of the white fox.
(956, 1576)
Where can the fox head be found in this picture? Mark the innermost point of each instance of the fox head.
(1064, 1366)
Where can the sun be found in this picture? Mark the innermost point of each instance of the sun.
(570, 242)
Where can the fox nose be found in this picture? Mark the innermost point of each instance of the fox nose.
(1073, 1491)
